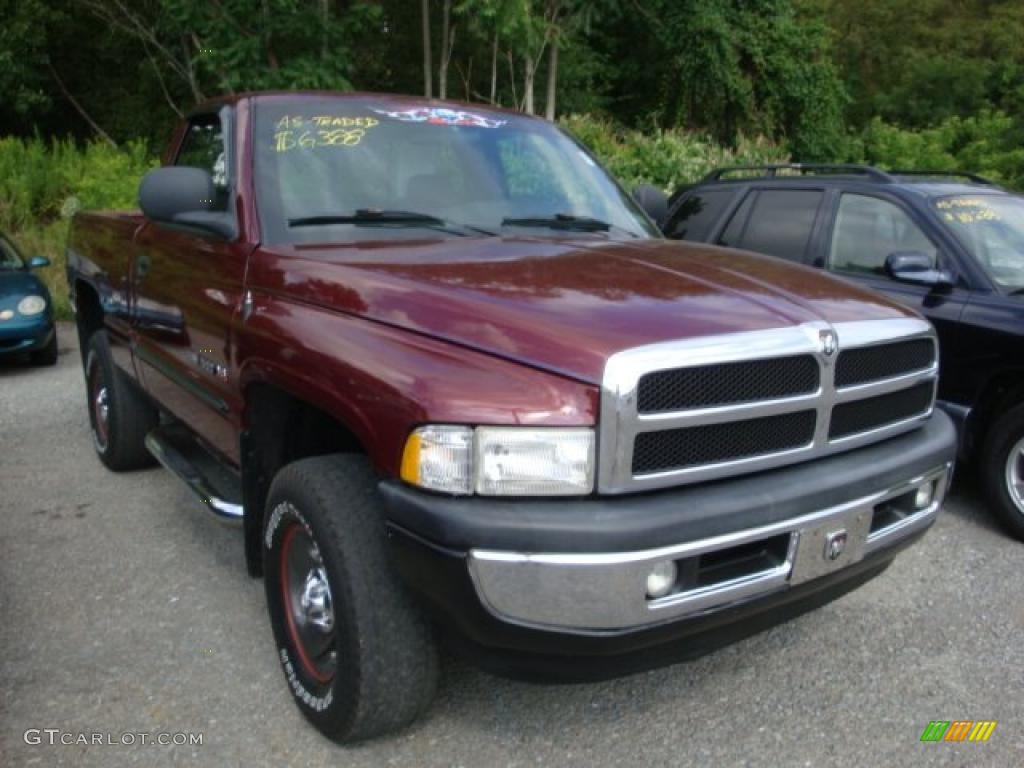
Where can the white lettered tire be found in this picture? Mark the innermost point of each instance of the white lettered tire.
(358, 656)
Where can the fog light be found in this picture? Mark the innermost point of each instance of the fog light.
(924, 495)
(661, 579)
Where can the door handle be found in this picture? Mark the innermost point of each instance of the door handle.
(141, 265)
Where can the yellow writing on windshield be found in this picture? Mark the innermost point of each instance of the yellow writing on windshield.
(325, 121)
(312, 132)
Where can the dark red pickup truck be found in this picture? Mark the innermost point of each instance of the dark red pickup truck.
(455, 387)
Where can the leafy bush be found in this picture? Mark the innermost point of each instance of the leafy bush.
(39, 181)
(665, 158)
(990, 144)
(42, 185)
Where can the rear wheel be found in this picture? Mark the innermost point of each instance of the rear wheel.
(119, 414)
(48, 354)
(358, 655)
(1003, 469)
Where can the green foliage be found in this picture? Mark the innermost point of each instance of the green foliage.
(242, 45)
(917, 63)
(22, 49)
(43, 184)
(39, 180)
(730, 68)
(990, 144)
(664, 158)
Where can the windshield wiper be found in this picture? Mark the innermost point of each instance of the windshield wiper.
(567, 222)
(379, 217)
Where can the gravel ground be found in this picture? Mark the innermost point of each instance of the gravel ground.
(124, 609)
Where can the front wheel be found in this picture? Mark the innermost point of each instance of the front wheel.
(1003, 469)
(358, 656)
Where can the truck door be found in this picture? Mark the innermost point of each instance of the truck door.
(188, 288)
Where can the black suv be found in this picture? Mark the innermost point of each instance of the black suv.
(950, 245)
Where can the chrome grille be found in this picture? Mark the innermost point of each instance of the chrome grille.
(701, 409)
(691, 446)
(726, 383)
(883, 361)
(873, 412)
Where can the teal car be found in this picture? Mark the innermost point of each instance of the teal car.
(26, 311)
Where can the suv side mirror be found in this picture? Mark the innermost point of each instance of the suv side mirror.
(183, 196)
(38, 261)
(916, 267)
(653, 201)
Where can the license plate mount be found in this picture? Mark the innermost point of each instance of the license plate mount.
(827, 547)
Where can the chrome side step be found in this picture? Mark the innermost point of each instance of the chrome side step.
(197, 469)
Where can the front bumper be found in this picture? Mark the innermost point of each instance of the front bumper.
(19, 335)
(548, 578)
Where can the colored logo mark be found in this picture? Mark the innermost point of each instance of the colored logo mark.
(958, 730)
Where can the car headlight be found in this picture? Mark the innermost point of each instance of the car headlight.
(501, 461)
(31, 305)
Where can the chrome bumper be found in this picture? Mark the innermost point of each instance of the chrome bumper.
(608, 590)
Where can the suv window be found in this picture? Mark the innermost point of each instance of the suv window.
(779, 224)
(697, 214)
(203, 147)
(867, 230)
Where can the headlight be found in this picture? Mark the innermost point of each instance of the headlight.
(501, 461)
(31, 305)
(439, 458)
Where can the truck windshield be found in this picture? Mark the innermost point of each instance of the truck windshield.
(991, 227)
(330, 170)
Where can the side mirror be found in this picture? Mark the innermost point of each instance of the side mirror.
(38, 261)
(916, 267)
(653, 201)
(183, 196)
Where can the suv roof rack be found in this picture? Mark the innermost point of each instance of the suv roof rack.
(973, 177)
(771, 170)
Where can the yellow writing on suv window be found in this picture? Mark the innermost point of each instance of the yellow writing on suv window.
(305, 132)
(967, 210)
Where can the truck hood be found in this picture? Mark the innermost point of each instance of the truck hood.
(559, 304)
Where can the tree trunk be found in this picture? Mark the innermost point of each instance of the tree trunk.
(494, 68)
(512, 78)
(428, 87)
(442, 71)
(528, 75)
(549, 105)
(323, 29)
(78, 108)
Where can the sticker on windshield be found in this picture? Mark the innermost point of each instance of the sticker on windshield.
(442, 116)
(312, 132)
(967, 210)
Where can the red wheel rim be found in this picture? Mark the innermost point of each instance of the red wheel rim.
(307, 603)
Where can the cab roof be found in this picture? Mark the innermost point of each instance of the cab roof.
(394, 99)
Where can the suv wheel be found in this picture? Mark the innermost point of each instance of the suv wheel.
(1003, 469)
(119, 414)
(358, 655)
